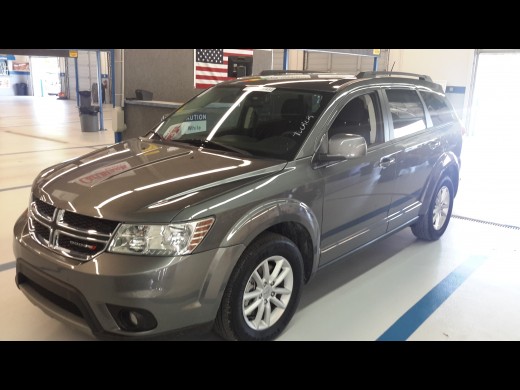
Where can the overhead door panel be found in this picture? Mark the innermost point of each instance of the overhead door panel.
(317, 61)
(277, 58)
(344, 63)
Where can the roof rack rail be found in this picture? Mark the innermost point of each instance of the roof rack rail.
(271, 72)
(363, 75)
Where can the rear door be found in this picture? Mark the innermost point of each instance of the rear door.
(419, 146)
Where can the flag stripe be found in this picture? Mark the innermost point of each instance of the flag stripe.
(213, 77)
(211, 67)
(238, 52)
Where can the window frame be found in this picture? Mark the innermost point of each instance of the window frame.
(378, 114)
(448, 105)
(388, 113)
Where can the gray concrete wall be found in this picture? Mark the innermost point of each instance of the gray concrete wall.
(168, 73)
(141, 119)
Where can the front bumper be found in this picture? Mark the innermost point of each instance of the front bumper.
(178, 292)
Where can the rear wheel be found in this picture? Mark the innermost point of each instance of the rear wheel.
(263, 291)
(432, 225)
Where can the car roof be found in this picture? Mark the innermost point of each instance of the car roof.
(325, 81)
(322, 82)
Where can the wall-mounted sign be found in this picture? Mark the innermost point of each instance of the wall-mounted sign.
(4, 70)
(21, 66)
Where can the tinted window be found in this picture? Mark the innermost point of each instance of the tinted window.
(262, 121)
(438, 108)
(360, 116)
(407, 112)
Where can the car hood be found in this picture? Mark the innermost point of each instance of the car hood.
(145, 181)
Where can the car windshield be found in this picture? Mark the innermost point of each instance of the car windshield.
(258, 121)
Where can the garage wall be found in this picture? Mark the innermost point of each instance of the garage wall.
(450, 67)
(168, 73)
(328, 62)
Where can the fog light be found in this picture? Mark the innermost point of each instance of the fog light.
(132, 319)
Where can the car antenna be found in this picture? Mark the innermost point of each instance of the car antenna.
(392, 68)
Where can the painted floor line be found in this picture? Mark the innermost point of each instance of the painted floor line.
(35, 136)
(7, 266)
(54, 150)
(14, 188)
(410, 321)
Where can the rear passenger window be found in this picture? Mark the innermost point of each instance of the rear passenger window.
(438, 108)
(407, 112)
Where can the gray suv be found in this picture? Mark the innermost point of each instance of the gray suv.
(220, 214)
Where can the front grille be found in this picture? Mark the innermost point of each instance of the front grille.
(78, 245)
(74, 235)
(45, 209)
(49, 295)
(42, 232)
(82, 222)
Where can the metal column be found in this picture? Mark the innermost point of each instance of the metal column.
(376, 61)
(77, 80)
(113, 66)
(285, 59)
(100, 99)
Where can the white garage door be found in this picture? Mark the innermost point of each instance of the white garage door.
(87, 72)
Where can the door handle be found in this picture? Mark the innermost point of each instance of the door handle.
(385, 162)
(434, 144)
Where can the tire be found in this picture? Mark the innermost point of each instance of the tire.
(261, 316)
(432, 225)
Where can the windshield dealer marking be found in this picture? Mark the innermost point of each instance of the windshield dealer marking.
(303, 125)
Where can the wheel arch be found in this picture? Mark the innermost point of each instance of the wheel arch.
(447, 164)
(288, 217)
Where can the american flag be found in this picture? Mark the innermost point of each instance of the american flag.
(211, 65)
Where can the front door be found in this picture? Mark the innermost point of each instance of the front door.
(358, 191)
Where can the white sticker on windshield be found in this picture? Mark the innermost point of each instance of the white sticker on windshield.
(258, 88)
(195, 123)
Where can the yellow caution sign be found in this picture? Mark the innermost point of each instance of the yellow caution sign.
(376, 52)
(73, 53)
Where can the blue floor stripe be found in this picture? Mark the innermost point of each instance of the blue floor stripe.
(418, 313)
(6, 266)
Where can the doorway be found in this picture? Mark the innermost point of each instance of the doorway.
(45, 72)
(489, 187)
(496, 96)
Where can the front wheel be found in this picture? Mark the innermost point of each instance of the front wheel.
(263, 291)
(432, 225)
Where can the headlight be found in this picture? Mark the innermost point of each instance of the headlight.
(160, 240)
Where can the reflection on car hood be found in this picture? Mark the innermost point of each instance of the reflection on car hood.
(140, 180)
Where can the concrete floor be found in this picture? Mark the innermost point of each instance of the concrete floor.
(465, 286)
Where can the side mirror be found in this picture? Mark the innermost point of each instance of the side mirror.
(347, 146)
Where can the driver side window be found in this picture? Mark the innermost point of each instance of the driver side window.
(360, 116)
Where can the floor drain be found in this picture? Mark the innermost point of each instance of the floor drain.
(486, 222)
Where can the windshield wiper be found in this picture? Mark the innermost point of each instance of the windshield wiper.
(213, 145)
(154, 135)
